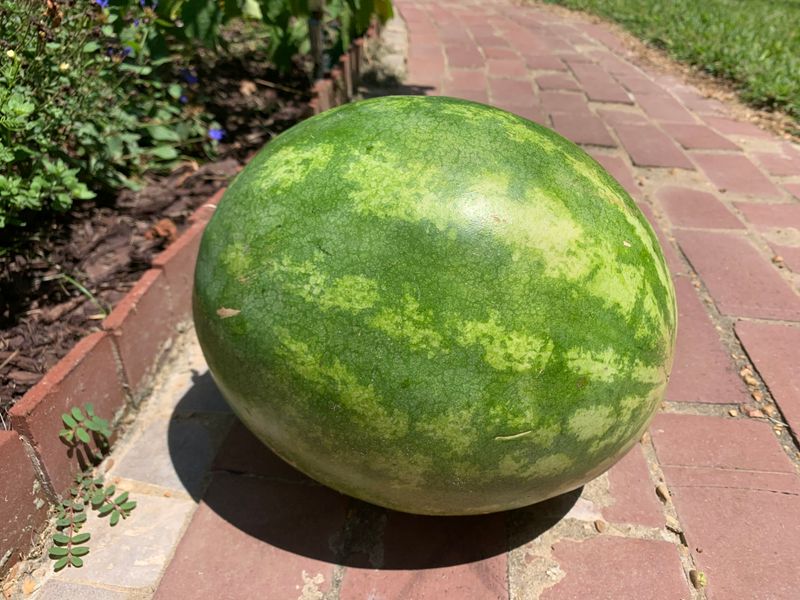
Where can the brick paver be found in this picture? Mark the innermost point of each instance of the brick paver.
(221, 516)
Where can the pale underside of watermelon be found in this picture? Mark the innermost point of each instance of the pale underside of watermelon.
(435, 306)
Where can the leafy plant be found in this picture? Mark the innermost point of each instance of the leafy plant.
(87, 436)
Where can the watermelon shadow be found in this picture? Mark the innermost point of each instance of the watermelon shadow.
(262, 496)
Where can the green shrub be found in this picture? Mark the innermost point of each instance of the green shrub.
(83, 104)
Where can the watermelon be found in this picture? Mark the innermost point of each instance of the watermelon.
(435, 306)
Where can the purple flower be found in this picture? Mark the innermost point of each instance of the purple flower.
(216, 133)
(136, 22)
(101, 3)
(126, 51)
(183, 99)
(189, 76)
(142, 3)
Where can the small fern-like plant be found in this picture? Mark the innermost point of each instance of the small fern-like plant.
(86, 436)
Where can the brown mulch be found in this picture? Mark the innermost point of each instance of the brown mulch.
(62, 276)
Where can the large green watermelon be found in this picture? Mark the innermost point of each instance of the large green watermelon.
(435, 306)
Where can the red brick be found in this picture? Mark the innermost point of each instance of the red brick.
(544, 62)
(474, 95)
(741, 282)
(731, 485)
(617, 568)
(735, 173)
(280, 531)
(557, 81)
(793, 189)
(697, 103)
(491, 42)
(512, 68)
(702, 370)
(178, 262)
(23, 504)
(634, 498)
(501, 53)
(599, 85)
(619, 170)
(432, 50)
(564, 102)
(511, 91)
(699, 137)
(429, 70)
(615, 117)
(779, 216)
(583, 129)
(664, 107)
(532, 113)
(780, 165)
(638, 84)
(675, 265)
(686, 207)
(650, 147)
(773, 348)
(87, 374)
(731, 526)
(463, 57)
(452, 33)
(718, 443)
(140, 325)
(739, 128)
(429, 558)
(465, 80)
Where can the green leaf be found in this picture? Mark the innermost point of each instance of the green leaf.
(76, 562)
(89, 408)
(164, 152)
(79, 518)
(175, 90)
(98, 497)
(163, 134)
(65, 522)
(81, 538)
(105, 509)
(69, 421)
(60, 538)
(77, 413)
(56, 551)
(79, 551)
(61, 563)
(114, 518)
(121, 498)
(110, 490)
(83, 435)
(130, 505)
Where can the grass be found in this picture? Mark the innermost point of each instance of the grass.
(755, 44)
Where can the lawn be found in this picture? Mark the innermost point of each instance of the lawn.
(753, 43)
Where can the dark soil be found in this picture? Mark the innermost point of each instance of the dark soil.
(62, 276)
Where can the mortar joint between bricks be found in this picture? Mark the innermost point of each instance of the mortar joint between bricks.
(685, 553)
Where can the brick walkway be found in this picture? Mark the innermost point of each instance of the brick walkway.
(712, 489)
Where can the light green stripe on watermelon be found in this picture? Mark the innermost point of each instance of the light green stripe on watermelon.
(442, 307)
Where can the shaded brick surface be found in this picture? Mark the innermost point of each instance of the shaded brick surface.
(23, 504)
(282, 534)
(650, 147)
(771, 215)
(433, 557)
(87, 374)
(736, 128)
(594, 569)
(557, 82)
(735, 173)
(686, 207)
(511, 91)
(178, 262)
(558, 102)
(740, 280)
(702, 370)
(774, 350)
